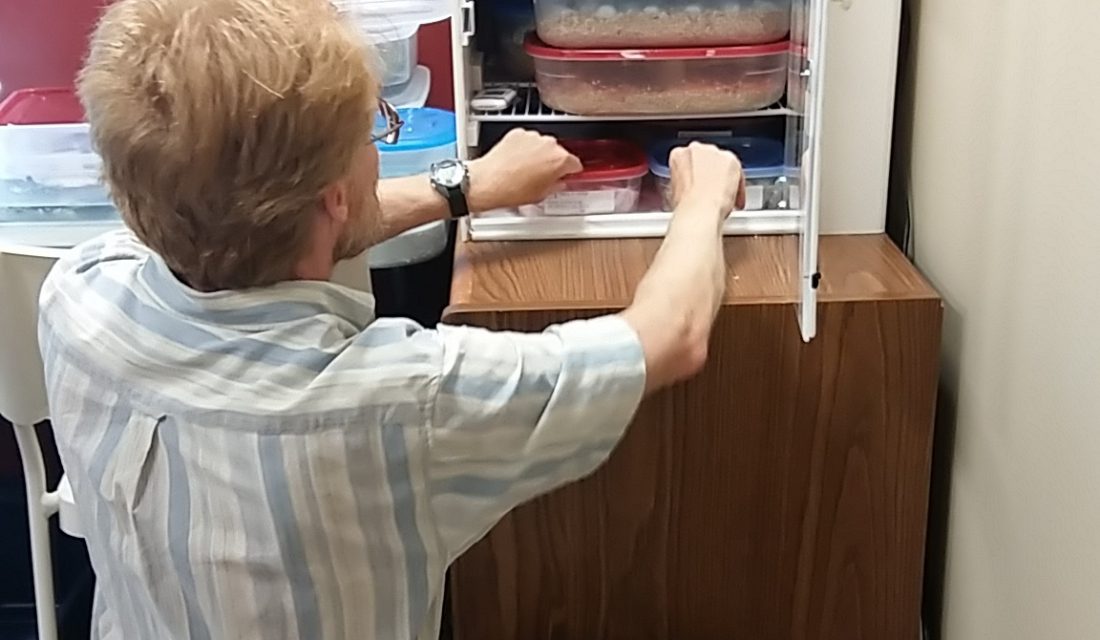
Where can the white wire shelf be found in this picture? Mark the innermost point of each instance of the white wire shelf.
(528, 107)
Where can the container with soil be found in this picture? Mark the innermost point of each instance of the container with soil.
(579, 24)
(724, 80)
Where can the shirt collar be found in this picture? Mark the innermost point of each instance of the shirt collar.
(289, 301)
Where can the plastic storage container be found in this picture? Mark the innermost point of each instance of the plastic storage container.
(391, 26)
(48, 169)
(580, 24)
(761, 159)
(610, 182)
(414, 93)
(427, 137)
(722, 80)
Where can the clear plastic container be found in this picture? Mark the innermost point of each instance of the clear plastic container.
(414, 93)
(610, 182)
(48, 168)
(761, 158)
(398, 58)
(427, 137)
(722, 80)
(581, 24)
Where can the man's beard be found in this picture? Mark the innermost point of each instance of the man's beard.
(359, 231)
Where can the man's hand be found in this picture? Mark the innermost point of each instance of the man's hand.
(523, 168)
(705, 175)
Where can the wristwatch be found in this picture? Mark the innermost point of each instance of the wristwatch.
(451, 179)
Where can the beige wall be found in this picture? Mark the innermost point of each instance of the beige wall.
(1005, 183)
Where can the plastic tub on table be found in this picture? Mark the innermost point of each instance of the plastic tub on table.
(761, 159)
(722, 80)
(427, 137)
(610, 182)
(580, 24)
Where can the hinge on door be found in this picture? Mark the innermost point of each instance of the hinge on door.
(815, 280)
(469, 23)
(806, 68)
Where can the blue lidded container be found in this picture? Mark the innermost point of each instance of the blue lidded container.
(428, 136)
(761, 158)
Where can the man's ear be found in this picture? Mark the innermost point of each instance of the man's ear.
(335, 201)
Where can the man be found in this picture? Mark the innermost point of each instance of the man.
(253, 454)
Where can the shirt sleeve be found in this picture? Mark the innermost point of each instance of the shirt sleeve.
(516, 415)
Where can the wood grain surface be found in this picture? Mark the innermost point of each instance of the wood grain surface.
(604, 273)
(782, 494)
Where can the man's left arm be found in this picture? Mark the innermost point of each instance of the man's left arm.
(523, 168)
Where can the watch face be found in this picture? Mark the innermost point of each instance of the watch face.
(449, 173)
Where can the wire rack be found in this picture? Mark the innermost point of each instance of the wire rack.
(528, 107)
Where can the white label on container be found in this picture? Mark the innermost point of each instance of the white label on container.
(754, 198)
(579, 203)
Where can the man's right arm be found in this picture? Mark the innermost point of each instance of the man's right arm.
(676, 302)
(515, 415)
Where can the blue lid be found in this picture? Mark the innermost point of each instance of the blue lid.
(424, 128)
(516, 10)
(760, 157)
(513, 7)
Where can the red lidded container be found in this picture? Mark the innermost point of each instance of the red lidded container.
(610, 181)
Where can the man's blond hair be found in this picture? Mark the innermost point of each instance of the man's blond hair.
(220, 122)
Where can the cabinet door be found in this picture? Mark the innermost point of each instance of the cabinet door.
(805, 97)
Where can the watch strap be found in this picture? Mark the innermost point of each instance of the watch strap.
(456, 199)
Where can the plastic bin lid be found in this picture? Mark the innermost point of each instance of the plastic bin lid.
(383, 32)
(424, 128)
(606, 160)
(760, 157)
(539, 49)
(381, 17)
(45, 105)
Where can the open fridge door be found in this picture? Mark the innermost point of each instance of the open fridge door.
(806, 99)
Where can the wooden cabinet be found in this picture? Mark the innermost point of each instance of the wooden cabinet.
(782, 494)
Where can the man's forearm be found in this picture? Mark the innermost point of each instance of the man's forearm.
(412, 201)
(676, 302)
(407, 203)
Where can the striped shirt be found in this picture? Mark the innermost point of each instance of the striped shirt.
(278, 463)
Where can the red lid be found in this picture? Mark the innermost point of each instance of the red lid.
(46, 105)
(539, 49)
(607, 160)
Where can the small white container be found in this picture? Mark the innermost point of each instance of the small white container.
(398, 57)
